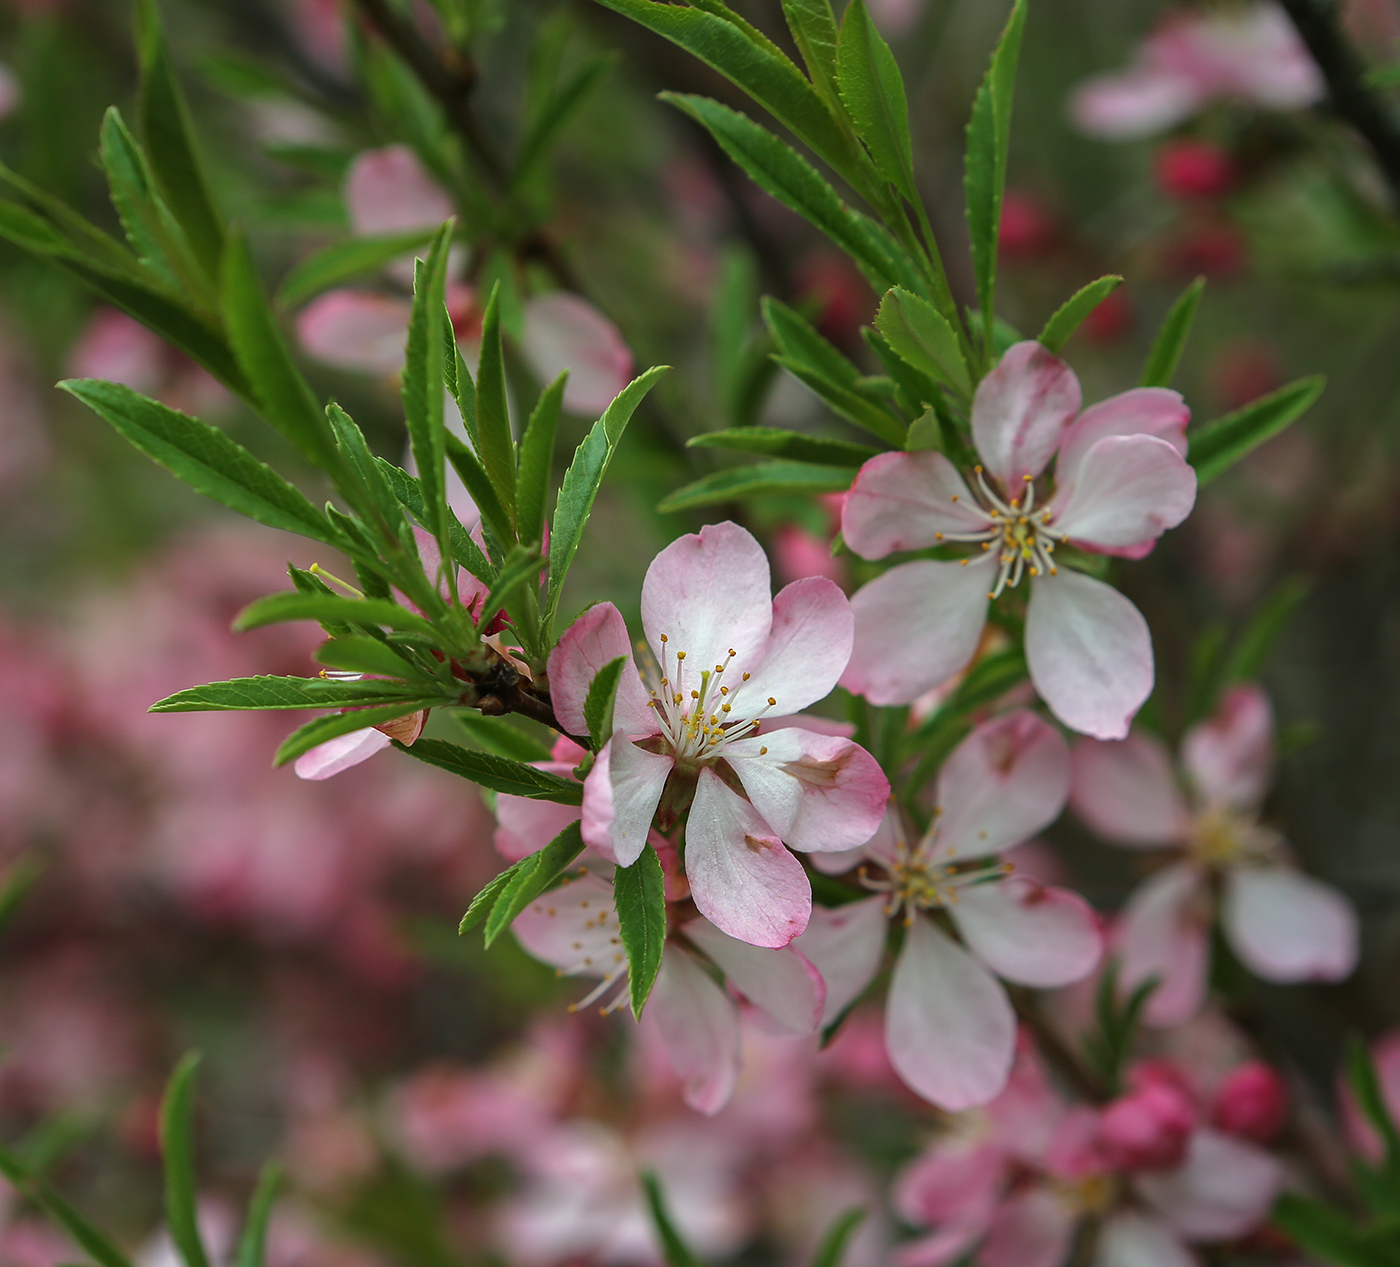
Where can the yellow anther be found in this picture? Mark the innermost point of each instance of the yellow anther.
(771, 700)
(664, 638)
(938, 536)
(955, 497)
(763, 752)
(680, 655)
(724, 690)
(747, 676)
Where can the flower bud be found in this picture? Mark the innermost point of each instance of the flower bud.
(1027, 231)
(1149, 1127)
(1190, 169)
(1252, 1101)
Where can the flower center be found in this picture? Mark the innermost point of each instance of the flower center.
(1087, 1195)
(700, 722)
(1020, 534)
(917, 881)
(1219, 837)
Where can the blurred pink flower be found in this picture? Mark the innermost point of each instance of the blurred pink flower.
(1121, 481)
(1195, 59)
(1027, 229)
(1252, 1101)
(120, 349)
(1190, 168)
(1283, 925)
(798, 553)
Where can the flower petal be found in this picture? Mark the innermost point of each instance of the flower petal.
(1021, 412)
(846, 943)
(699, 1028)
(1144, 411)
(949, 1028)
(1136, 104)
(917, 626)
(742, 879)
(389, 191)
(356, 330)
(1028, 933)
(784, 983)
(573, 928)
(563, 332)
(807, 650)
(525, 826)
(1132, 1240)
(1090, 653)
(817, 792)
(1230, 756)
(1032, 1229)
(1128, 491)
(1161, 934)
(595, 639)
(1286, 926)
(1223, 1190)
(1126, 790)
(333, 756)
(620, 796)
(907, 501)
(707, 593)
(1001, 785)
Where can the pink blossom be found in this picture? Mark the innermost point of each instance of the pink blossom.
(1191, 168)
(1150, 1126)
(710, 621)
(1252, 1101)
(1283, 925)
(1121, 481)
(949, 1027)
(1195, 59)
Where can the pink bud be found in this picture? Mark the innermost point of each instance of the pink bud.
(1111, 320)
(1149, 1127)
(1190, 169)
(1252, 1101)
(1027, 230)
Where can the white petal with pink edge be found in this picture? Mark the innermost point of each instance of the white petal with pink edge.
(742, 879)
(1230, 756)
(1146, 411)
(563, 332)
(1163, 933)
(949, 1027)
(699, 1028)
(1285, 926)
(1000, 785)
(1223, 1190)
(389, 190)
(574, 928)
(1133, 1240)
(1035, 1228)
(1134, 105)
(808, 647)
(1090, 653)
(908, 501)
(594, 640)
(1126, 790)
(784, 983)
(356, 330)
(846, 943)
(333, 756)
(1028, 933)
(620, 796)
(917, 626)
(1128, 491)
(1021, 413)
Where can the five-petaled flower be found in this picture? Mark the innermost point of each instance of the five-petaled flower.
(728, 658)
(1121, 480)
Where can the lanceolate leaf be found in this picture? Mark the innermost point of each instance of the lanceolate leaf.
(177, 1149)
(775, 442)
(529, 878)
(1071, 314)
(494, 518)
(602, 696)
(261, 693)
(849, 403)
(833, 1247)
(291, 605)
(813, 28)
(544, 132)
(1332, 1235)
(873, 92)
(537, 462)
(423, 383)
(324, 729)
(343, 260)
(499, 737)
(1218, 445)
(406, 488)
(760, 479)
(205, 458)
(639, 892)
(497, 773)
(497, 448)
(673, 1247)
(1171, 338)
(356, 654)
(922, 337)
(94, 1243)
(252, 1244)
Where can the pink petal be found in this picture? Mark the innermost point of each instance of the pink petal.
(1162, 934)
(594, 640)
(1090, 653)
(699, 1028)
(525, 826)
(1021, 412)
(1128, 491)
(389, 191)
(1150, 411)
(1028, 933)
(907, 501)
(708, 593)
(808, 646)
(917, 626)
(950, 1244)
(1000, 785)
(949, 1028)
(356, 330)
(620, 796)
(340, 753)
(1286, 926)
(837, 863)
(1130, 106)
(564, 332)
(1132, 1240)
(1126, 791)
(1230, 756)
(574, 928)
(1224, 1189)
(784, 983)
(846, 943)
(955, 1178)
(817, 792)
(742, 879)
(1033, 1229)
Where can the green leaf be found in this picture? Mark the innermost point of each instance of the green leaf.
(1268, 622)
(497, 448)
(775, 442)
(521, 566)
(529, 878)
(513, 778)
(639, 892)
(423, 382)
(164, 123)
(1218, 445)
(1366, 1087)
(537, 462)
(872, 90)
(205, 458)
(380, 503)
(781, 171)
(582, 480)
(544, 132)
(357, 654)
(759, 480)
(673, 1247)
(264, 693)
(485, 899)
(600, 701)
(324, 729)
(177, 1150)
(988, 142)
(1331, 1234)
(922, 337)
(499, 737)
(252, 1244)
(96, 1244)
(406, 488)
(1071, 314)
(290, 605)
(15, 882)
(813, 28)
(494, 516)
(339, 262)
(1171, 338)
(833, 1247)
